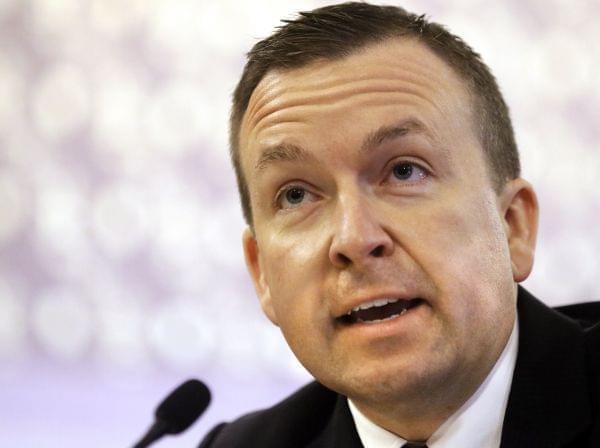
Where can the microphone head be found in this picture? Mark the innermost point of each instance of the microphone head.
(183, 406)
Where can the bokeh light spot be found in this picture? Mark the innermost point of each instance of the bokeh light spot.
(62, 323)
(13, 324)
(180, 336)
(61, 101)
(120, 221)
(14, 208)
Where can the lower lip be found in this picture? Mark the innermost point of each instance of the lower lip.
(386, 327)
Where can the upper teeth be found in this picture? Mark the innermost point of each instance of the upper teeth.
(374, 303)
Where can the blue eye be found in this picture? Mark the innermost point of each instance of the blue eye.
(295, 195)
(403, 171)
(408, 171)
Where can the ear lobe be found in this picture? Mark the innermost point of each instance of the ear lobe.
(520, 209)
(253, 263)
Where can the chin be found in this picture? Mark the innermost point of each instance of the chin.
(389, 383)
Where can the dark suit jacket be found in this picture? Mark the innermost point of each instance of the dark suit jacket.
(553, 401)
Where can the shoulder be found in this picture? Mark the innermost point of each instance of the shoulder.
(291, 422)
(587, 314)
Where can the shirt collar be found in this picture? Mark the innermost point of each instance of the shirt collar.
(478, 422)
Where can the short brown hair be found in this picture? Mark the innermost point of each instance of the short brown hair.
(336, 31)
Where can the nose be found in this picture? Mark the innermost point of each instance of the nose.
(359, 237)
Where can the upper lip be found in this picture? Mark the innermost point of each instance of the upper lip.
(349, 305)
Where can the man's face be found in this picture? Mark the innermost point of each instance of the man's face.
(368, 185)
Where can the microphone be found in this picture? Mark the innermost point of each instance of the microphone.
(178, 411)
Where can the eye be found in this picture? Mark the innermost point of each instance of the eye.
(408, 171)
(293, 196)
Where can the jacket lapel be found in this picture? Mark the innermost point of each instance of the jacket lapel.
(340, 432)
(548, 404)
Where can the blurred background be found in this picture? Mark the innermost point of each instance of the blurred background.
(121, 271)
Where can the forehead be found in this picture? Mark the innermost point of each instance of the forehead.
(391, 80)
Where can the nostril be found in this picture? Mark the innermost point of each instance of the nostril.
(344, 259)
(378, 251)
(346, 252)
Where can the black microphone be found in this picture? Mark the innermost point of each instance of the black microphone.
(178, 411)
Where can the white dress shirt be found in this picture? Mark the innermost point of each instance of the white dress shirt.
(477, 424)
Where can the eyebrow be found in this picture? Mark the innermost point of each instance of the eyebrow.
(290, 152)
(386, 133)
(283, 152)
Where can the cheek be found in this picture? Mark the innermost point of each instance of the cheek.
(294, 271)
(464, 237)
(290, 260)
(295, 277)
(460, 247)
(459, 244)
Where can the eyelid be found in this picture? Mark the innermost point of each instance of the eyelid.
(287, 187)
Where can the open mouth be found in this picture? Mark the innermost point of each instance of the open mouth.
(380, 310)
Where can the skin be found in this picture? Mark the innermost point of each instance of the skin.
(353, 230)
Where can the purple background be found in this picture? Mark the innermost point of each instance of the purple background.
(121, 272)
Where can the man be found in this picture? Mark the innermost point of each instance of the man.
(389, 228)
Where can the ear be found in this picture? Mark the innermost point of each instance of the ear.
(520, 211)
(253, 263)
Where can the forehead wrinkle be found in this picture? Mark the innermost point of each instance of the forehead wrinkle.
(267, 90)
(292, 102)
(318, 78)
(332, 72)
(414, 73)
(299, 87)
(394, 58)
